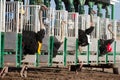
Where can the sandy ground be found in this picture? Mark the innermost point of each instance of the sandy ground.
(63, 74)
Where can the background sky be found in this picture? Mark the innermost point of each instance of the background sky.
(117, 9)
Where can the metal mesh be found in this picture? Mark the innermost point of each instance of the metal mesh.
(84, 21)
(31, 18)
(60, 15)
(72, 25)
(13, 16)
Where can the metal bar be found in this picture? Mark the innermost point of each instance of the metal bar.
(65, 51)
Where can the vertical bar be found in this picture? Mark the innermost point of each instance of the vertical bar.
(18, 35)
(37, 59)
(107, 15)
(50, 55)
(36, 28)
(51, 38)
(112, 17)
(19, 56)
(65, 38)
(99, 13)
(99, 6)
(98, 36)
(65, 50)
(91, 4)
(76, 52)
(1, 49)
(58, 4)
(81, 6)
(71, 6)
(112, 13)
(98, 53)
(114, 52)
(106, 58)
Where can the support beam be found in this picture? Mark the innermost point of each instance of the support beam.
(59, 5)
(107, 14)
(112, 13)
(47, 3)
(71, 6)
(99, 6)
(90, 4)
(81, 7)
(35, 2)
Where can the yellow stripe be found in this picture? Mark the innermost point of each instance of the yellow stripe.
(39, 47)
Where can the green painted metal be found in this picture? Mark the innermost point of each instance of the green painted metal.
(32, 2)
(99, 12)
(65, 51)
(59, 4)
(36, 2)
(81, 7)
(90, 4)
(50, 50)
(37, 60)
(1, 49)
(18, 49)
(112, 12)
(112, 17)
(98, 52)
(76, 53)
(114, 53)
(107, 15)
(71, 6)
(106, 58)
(47, 3)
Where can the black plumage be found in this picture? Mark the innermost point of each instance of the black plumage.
(105, 42)
(30, 41)
(82, 36)
(103, 45)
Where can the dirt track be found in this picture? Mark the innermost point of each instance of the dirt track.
(63, 74)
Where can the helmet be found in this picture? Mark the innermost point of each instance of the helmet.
(109, 48)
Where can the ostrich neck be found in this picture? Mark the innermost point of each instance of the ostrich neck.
(40, 18)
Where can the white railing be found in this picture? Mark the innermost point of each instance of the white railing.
(60, 15)
(2, 15)
(31, 18)
(13, 17)
(72, 25)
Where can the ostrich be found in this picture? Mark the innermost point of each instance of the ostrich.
(84, 39)
(105, 45)
(32, 41)
(84, 36)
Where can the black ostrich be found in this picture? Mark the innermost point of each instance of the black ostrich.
(105, 44)
(32, 41)
(84, 36)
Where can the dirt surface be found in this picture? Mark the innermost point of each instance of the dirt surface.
(63, 74)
